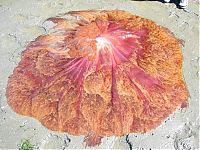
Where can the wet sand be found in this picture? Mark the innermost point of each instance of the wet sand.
(21, 21)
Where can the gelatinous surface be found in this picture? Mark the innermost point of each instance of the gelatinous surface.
(99, 73)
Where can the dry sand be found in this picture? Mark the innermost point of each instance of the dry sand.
(22, 20)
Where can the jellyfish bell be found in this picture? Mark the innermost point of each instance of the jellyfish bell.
(99, 73)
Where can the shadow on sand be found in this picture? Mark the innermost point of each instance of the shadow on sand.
(176, 2)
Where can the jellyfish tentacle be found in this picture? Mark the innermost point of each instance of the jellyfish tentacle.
(92, 140)
(119, 55)
(115, 100)
(145, 80)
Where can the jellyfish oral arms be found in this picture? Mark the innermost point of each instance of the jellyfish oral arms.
(99, 73)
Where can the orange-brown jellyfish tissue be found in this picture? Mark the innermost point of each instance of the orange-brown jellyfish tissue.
(99, 73)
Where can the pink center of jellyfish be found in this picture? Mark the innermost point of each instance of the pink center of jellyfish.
(113, 46)
(116, 46)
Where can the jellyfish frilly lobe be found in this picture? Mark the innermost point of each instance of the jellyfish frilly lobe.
(99, 73)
